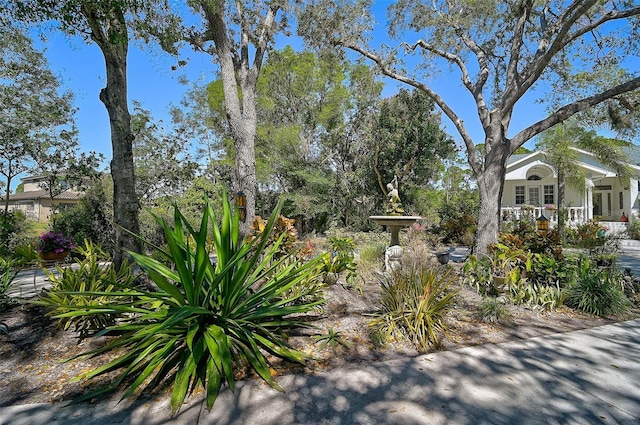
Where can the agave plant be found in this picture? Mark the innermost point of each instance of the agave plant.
(206, 319)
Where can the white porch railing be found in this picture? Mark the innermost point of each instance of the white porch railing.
(575, 215)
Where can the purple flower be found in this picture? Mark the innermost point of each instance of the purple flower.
(56, 242)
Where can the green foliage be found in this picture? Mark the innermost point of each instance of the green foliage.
(415, 300)
(493, 309)
(89, 218)
(525, 279)
(534, 295)
(597, 291)
(592, 235)
(205, 320)
(340, 258)
(373, 252)
(547, 270)
(12, 227)
(459, 229)
(331, 339)
(8, 272)
(524, 235)
(87, 286)
(633, 230)
(478, 273)
(25, 255)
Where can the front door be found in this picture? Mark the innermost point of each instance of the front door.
(597, 204)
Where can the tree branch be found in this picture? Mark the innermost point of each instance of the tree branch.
(474, 160)
(265, 34)
(569, 110)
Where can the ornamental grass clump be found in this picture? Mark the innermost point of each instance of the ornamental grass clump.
(205, 320)
(415, 300)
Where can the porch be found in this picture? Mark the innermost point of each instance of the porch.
(575, 217)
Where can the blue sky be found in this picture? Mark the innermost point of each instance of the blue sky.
(152, 82)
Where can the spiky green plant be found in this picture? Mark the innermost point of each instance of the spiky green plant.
(8, 273)
(596, 291)
(415, 300)
(76, 287)
(206, 319)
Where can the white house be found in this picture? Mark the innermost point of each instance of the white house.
(531, 187)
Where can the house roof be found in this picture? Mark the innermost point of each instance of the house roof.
(67, 195)
(632, 152)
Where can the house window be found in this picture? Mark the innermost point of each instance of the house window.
(548, 194)
(621, 200)
(519, 195)
(534, 177)
(534, 196)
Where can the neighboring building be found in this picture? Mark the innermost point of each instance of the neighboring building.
(35, 202)
(531, 187)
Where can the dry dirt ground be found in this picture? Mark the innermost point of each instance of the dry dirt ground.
(32, 371)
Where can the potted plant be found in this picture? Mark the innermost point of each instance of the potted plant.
(54, 246)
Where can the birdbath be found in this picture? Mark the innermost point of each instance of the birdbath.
(395, 223)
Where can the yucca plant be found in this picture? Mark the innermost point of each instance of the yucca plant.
(206, 319)
(415, 300)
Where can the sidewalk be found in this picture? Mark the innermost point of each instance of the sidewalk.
(582, 377)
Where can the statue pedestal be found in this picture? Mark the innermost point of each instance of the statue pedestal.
(394, 223)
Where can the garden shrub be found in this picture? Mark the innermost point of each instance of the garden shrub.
(206, 320)
(415, 300)
(459, 230)
(12, 227)
(8, 273)
(595, 290)
(88, 219)
(633, 230)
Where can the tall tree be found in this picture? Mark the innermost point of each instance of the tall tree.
(105, 23)
(34, 115)
(237, 35)
(502, 51)
(408, 141)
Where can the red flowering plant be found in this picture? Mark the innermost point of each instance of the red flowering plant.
(54, 242)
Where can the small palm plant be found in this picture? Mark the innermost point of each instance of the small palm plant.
(206, 319)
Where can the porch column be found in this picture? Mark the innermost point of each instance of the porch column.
(588, 214)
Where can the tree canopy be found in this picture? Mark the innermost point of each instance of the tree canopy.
(35, 117)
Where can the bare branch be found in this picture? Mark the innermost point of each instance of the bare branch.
(265, 34)
(569, 110)
(517, 42)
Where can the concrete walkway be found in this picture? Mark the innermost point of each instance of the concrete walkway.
(582, 377)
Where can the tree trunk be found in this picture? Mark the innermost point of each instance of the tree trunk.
(561, 203)
(245, 171)
(111, 37)
(7, 192)
(490, 186)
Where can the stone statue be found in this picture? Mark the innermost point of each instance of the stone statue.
(394, 206)
(392, 257)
